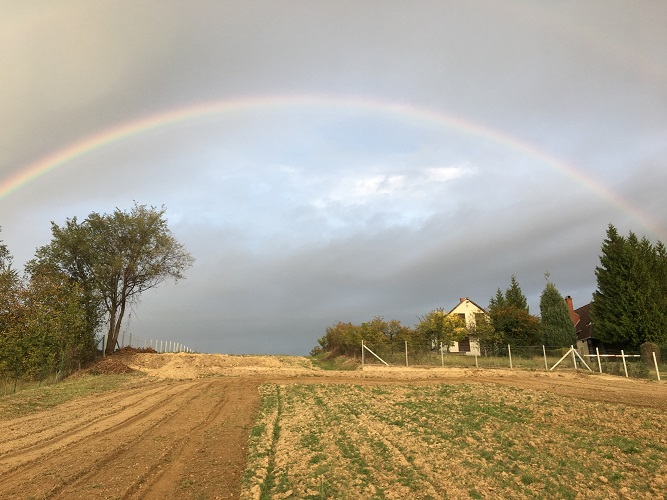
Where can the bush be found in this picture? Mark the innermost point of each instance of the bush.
(646, 350)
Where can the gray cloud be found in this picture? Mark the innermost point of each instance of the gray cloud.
(302, 217)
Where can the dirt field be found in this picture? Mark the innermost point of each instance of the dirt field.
(181, 430)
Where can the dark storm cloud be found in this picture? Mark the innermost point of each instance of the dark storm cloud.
(300, 221)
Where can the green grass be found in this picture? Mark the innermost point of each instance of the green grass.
(325, 361)
(41, 398)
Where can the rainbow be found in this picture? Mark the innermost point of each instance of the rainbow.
(49, 163)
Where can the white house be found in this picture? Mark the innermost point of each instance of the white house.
(468, 311)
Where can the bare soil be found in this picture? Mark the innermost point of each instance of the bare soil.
(181, 431)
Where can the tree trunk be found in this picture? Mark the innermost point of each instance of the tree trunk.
(116, 328)
(109, 348)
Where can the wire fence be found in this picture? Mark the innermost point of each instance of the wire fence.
(157, 345)
(540, 357)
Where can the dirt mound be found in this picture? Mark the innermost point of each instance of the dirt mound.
(134, 350)
(109, 365)
(191, 366)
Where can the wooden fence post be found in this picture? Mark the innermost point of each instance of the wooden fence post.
(406, 353)
(625, 366)
(544, 351)
(362, 352)
(509, 351)
(655, 362)
(597, 351)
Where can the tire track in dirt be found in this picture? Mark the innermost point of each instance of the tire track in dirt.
(187, 442)
(58, 462)
(71, 419)
(146, 457)
(18, 427)
(213, 459)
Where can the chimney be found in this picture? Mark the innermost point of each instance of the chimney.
(573, 316)
(462, 299)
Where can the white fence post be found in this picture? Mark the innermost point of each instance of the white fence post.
(597, 351)
(544, 351)
(509, 351)
(406, 353)
(362, 352)
(625, 366)
(655, 362)
(574, 360)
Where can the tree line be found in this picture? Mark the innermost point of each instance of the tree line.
(508, 322)
(79, 287)
(628, 309)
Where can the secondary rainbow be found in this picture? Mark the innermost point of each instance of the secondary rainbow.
(143, 125)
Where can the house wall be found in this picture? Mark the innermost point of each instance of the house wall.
(468, 308)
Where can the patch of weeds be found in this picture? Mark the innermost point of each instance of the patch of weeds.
(475, 494)
(350, 452)
(616, 477)
(48, 396)
(628, 446)
(528, 479)
(556, 489)
(258, 430)
(325, 489)
(317, 458)
(310, 440)
(325, 361)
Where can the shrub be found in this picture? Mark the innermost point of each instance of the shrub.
(647, 349)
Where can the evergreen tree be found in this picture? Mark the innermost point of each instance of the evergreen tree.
(628, 306)
(557, 327)
(512, 322)
(514, 296)
(497, 302)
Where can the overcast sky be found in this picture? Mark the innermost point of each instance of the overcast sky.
(336, 161)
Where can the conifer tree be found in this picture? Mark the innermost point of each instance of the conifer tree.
(628, 306)
(514, 296)
(511, 319)
(557, 327)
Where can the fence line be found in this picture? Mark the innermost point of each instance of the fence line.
(512, 356)
(158, 345)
